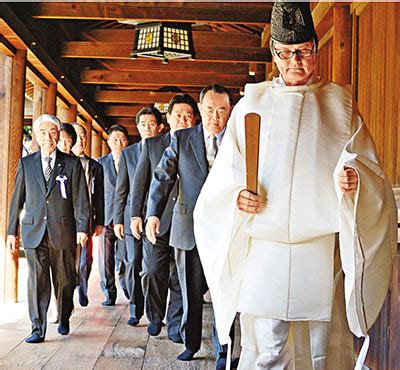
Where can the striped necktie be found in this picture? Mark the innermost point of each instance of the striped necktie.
(47, 171)
(212, 149)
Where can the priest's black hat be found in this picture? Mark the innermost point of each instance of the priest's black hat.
(291, 22)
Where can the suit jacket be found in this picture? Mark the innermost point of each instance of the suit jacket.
(96, 193)
(153, 149)
(123, 195)
(47, 209)
(185, 159)
(110, 180)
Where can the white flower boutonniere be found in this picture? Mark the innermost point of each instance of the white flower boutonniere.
(62, 184)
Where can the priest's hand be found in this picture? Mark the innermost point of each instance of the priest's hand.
(348, 180)
(81, 238)
(98, 229)
(137, 227)
(248, 202)
(11, 244)
(152, 228)
(119, 231)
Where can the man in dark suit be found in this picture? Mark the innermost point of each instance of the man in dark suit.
(112, 253)
(159, 268)
(149, 124)
(188, 160)
(95, 184)
(50, 187)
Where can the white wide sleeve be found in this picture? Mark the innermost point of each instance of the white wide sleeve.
(368, 231)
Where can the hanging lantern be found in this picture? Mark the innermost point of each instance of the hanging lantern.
(163, 41)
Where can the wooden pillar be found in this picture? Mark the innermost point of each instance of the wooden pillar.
(39, 108)
(105, 149)
(96, 145)
(67, 114)
(341, 53)
(51, 97)
(88, 126)
(11, 132)
(71, 114)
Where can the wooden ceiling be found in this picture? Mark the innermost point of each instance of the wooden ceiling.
(91, 42)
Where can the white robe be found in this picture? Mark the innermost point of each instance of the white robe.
(308, 133)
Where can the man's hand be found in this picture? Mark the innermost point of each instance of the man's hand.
(348, 180)
(11, 245)
(152, 228)
(119, 231)
(137, 227)
(81, 238)
(98, 229)
(248, 202)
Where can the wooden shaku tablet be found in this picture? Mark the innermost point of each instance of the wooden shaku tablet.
(252, 136)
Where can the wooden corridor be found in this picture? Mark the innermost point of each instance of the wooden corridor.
(99, 339)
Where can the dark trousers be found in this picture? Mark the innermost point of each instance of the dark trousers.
(133, 280)
(193, 287)
(221, 350)
(160, 273)
(85, 267)
(42, 261)
(111, 257)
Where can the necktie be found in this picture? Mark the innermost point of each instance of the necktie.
(212, 149)
(47, 171)
(116, 164)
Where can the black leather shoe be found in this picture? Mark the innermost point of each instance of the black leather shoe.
(63, 329)
(133, 321)
(176, 338)
(235, 363)
(187, 355)
(221, 363)
(34, 338)
(108, 302)
(154, 329)
(83, 300)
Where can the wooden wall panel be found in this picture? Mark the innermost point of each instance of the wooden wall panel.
(377, 80)
(325, 61)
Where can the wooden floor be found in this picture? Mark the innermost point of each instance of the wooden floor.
(99, 339)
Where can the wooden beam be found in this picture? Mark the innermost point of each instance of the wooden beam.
(246, 13)
(145, 97)
(115, 50)
(175, 66)
(128, 123)
(323, 17)
(102, 77)
(341, 53)
(200, 38)
(34, 76)
(123, 110)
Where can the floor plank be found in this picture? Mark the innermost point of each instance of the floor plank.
(100, 339)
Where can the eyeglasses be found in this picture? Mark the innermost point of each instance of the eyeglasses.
(287, 54)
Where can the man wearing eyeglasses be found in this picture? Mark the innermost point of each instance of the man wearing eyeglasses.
(320, 186)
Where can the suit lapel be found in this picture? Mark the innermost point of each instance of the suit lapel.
(37, 164)
(198, 146)
(112, 165)
(58, 167)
